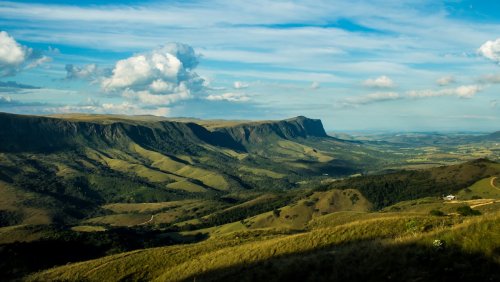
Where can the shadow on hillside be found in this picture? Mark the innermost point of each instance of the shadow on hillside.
(62, 247)
(366, 261)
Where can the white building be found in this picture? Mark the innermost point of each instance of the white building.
(450, 197)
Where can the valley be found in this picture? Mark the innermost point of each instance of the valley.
(141, 198)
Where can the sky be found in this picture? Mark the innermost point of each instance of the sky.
(412, 65)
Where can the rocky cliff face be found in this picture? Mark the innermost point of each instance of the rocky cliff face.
(35, 133)
(286, 129)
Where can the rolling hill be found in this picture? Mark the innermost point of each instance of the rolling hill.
(397, 246)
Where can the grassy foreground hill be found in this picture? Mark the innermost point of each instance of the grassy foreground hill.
(405, 241)
(380, 247)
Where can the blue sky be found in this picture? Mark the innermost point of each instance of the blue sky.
(357, 65)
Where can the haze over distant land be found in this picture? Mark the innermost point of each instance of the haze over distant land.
(357, 65)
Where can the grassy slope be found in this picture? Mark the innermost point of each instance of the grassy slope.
(489, 198)
(133, 214)
(243, 255)
(160, 168)
(292, 150)
(144, 207)
(167, 164)
(388, 189)
(14, 201)
(245, 250)
(298, 214)
(119, 219)
(482, 189)
(261, 172)
(294, 216)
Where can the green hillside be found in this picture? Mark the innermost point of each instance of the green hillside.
(80, 162)
(113, 197)
(386, 189)
(401, 245)
(483, 189)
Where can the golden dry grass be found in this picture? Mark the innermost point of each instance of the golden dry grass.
(298, 214)
(88, 228)
(128, 219)
(13, 199)
(293, 150)
(261, 172)
(236, 249)
(482, 189)
(145, 207)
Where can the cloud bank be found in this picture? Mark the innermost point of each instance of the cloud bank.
(464, 91)
(93, 106)
(371, 98)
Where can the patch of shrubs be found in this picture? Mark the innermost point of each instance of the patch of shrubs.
(467, 211)
(436, 213)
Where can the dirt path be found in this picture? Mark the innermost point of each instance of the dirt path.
(492, 183)
(483, 204)
(146, 222)
(477, 205)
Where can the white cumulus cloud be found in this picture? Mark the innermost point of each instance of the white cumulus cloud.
(160, 77)
(379, 82)
(490, 50)
(14, 56)
(231, 97)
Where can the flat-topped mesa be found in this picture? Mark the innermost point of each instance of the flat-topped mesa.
(257, 132)
(38, 133)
